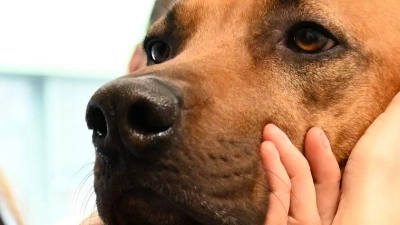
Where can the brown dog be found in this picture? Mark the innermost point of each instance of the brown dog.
(178, 142)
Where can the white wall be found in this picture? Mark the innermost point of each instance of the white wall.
(70, 37)
(53, 55)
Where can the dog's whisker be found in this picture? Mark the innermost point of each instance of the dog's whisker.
(253, 180)
(92, 216)
(265, 186)
(287, 186)
(75, 196)
(86, 165)
(80, 187)
(240, 198)
(87, 199)
(85, 178)
(186, 198)
(245, 203)
(280, 201)
(270, 192)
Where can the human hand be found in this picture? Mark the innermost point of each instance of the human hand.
(294, 199)
(302, 192)
(307, 192)
(370, 193)
(371, 179)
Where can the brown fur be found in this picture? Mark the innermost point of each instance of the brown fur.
(236, 78)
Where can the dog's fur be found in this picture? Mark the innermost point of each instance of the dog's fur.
(236, 74)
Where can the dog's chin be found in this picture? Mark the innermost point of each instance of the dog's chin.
(146, 208)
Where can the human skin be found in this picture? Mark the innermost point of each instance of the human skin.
(305, 189)
(93, 219)
(365, 37)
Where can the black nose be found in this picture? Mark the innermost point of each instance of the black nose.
(139, 112)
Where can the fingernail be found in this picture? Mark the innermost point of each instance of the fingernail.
(324, 140)
(269, 148)
(274, 151)
(281, 134)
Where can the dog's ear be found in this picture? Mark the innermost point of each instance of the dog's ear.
(138, 59)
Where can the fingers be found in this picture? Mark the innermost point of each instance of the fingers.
(326, 173)
(303, 203)
(279, 185)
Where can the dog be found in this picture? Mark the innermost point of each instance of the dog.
(177, 143)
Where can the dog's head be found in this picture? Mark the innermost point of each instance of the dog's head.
(178, 142)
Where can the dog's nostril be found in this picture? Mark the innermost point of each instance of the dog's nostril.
(97, 122)
(147, 118)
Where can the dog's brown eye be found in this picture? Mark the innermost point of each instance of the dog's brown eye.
(311, 40)
(158, 51)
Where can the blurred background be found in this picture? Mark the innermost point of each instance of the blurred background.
(53, 55)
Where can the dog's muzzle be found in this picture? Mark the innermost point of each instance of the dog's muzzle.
(139, 113)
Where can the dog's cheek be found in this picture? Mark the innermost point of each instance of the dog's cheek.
(225, 134)
(346, 97)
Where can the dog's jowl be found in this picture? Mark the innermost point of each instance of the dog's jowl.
(177, 143)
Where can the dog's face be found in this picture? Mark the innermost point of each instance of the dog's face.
(178, 142)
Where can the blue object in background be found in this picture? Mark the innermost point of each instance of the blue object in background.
(45, 145)
(53, 56)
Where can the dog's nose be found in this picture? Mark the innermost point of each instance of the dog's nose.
(140, 112)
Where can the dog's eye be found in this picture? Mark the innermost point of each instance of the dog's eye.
(311, 38)
(158, 51)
